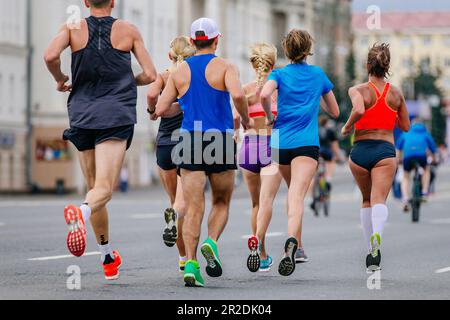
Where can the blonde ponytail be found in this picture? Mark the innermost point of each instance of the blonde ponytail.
(180, 50)
(263, 58)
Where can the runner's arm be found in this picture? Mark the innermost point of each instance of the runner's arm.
(357, 112)
(403, 121)
(52, 58)
(331, 106)
(148, 74)
(167, 106)
(234, 87)
(154, 91)
(266, 99)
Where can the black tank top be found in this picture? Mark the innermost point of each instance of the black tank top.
(167, 128)
(104, 93)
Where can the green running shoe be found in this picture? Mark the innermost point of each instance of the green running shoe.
(211, 254)
(373, 260)
(375, 240)
(192, 276)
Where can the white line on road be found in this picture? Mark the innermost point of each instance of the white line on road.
(269, 235)
(147, 216)
(440, 221)
(443, 270)
(63, 257)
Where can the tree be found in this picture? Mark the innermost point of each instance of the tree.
(425, 85)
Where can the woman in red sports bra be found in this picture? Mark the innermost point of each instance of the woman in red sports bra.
(377, 108)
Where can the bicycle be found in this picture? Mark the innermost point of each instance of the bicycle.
(416, 200)
(321, 191)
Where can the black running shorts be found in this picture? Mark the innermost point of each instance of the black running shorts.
(87, 139)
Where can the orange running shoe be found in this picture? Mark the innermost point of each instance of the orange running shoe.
(76, 239)
(112, 269)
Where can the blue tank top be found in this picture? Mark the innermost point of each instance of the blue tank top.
(205, 108)
(104, 93)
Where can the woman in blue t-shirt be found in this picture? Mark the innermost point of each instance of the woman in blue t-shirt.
(295, 140)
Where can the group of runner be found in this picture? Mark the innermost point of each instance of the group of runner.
(197, 142)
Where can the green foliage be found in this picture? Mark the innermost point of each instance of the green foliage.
(425, 85)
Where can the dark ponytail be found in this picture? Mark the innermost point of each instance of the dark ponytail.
(379, 60)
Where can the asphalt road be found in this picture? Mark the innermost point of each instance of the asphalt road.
(416, 257)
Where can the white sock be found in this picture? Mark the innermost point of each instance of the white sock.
(105, 250)
(86, 211)
(380, 214)
(183, 258)
(366, 223)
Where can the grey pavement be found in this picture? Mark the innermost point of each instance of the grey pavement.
(416, 256)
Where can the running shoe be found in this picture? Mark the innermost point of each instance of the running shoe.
(182, 265)
(76, 239)
(192, 275)
(300, 256)
(112, 269)
(170, 235)
(211, 254)
(254, 260)
(266, 265)
(373, 260)
(287, 265)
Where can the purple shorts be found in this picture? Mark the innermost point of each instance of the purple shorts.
(255, 153)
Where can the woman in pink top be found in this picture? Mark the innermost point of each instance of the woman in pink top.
(262, 180)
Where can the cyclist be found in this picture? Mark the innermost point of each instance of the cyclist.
(329, 148)
(414, 147)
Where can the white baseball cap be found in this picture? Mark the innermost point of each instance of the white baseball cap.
(206, 25)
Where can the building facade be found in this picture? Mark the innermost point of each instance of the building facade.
(53, 162)
(417, 39)
(13, 83)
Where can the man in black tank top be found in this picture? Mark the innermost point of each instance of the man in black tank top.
(102, 113)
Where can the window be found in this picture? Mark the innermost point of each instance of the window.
(447, 62)
(406, 41)
(279, 29)
(425, 64)
(426, 40)
(408, 63)
(198, 8)
(447, 40)
(364, 42)
(136, 17)
(12, 94)
(1, 93)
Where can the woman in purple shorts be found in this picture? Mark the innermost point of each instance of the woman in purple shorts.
(255, 154)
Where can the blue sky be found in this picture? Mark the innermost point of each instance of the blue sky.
(403, 5)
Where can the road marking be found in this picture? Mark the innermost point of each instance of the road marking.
(63, 257)
(269, 235)
(440, 221)
(147, 216)
(443, 270)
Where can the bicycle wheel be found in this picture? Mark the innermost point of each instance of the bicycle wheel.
(326, 208)
(416, 211)
(417, 199)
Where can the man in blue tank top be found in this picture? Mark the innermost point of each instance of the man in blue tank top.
(203, 85)
(102, 114)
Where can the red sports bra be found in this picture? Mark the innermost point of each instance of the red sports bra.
(380, 116)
